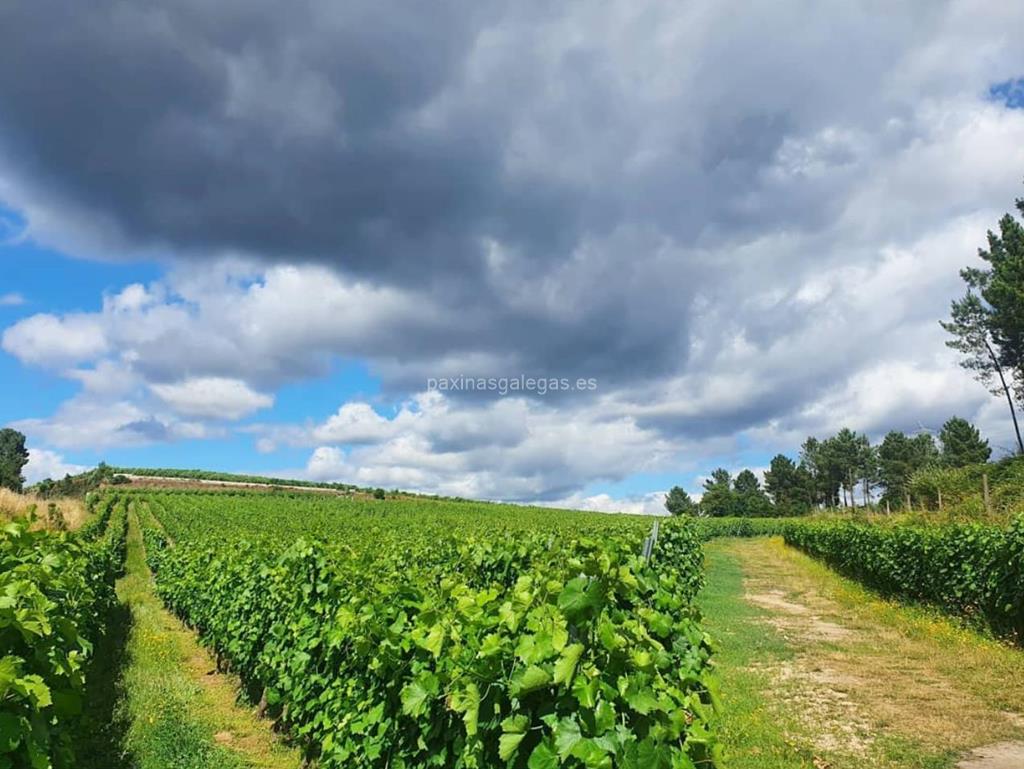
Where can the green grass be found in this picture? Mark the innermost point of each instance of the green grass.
(163, 705)
(753, 732)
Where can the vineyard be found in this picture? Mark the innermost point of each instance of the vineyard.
(55, 592)
(415, 633)
(418, 634)
(470, 639)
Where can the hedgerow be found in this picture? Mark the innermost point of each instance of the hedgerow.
(400, 640)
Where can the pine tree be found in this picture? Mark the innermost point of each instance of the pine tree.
(899, 457)
(751, 501)
(988, 322)
(962, 444)
(789, 485)
(678, 502)
(13, 457)
(719, 497)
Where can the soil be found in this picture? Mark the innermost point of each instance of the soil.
(1004, 755)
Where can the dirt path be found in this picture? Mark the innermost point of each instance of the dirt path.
(181, 712)
(818, 673)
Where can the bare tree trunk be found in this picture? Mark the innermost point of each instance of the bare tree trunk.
(984, 489)
(1006, 391)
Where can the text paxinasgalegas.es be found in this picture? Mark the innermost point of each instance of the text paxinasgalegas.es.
(506, 385)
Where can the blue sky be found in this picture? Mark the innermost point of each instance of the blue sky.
(234, 258)
(46, 281)
(1009, 92)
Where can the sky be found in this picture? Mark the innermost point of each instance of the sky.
(279, 239)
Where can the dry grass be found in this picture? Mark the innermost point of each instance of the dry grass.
(13, 505)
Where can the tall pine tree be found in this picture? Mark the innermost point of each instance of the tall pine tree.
(987, 324)
(962, 444)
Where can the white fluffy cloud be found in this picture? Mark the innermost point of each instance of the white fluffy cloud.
(88, 422)
(51, 341)
(212, 397)
(43, 463)
(511, 449)
(652, 503)
(229, 320)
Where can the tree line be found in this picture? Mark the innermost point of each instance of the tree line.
(845, 470)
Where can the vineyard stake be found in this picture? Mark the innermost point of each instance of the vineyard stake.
(652, 538)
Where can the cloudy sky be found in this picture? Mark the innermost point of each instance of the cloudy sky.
(246, 236)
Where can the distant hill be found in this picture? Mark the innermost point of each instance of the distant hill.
(212, 475)
(79, 485)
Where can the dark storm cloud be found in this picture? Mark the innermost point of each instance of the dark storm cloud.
(270, 129)
(355, 133)
(348, 134)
